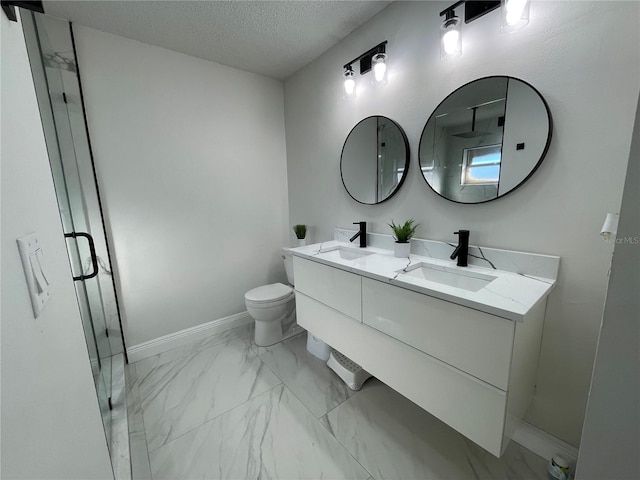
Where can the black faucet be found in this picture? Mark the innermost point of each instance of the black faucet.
(462, 250)
(362, 234)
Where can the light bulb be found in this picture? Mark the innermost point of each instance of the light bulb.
(349, 84)
(514, 10)
(450, 41)
(451, 38)
(515, 15)
(379, 68)
(512, 17)
(515, 5)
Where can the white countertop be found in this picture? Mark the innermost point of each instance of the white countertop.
(511, 295)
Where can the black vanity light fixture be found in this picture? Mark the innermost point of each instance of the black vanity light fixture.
(514, 16)
(373, 59)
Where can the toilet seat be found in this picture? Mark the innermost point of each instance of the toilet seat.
(269, 295)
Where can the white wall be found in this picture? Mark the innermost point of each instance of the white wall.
(611, 436)
(584, 59)
(191, 164)
(51, 425)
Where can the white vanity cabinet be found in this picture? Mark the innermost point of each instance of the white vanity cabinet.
(331, 286)
(472, 370)
(472, 341)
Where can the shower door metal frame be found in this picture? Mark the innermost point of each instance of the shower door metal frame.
(66, 150)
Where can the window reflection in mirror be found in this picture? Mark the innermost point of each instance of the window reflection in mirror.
(484, 140)
(375, 160)
(481, 165)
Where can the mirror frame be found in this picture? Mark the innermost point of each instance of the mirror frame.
(406, 164)
(538, 163)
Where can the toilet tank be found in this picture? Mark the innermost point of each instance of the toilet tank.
(288, 264)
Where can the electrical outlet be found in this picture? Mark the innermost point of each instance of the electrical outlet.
(38, 282)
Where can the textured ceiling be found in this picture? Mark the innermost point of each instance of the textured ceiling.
(272, 38)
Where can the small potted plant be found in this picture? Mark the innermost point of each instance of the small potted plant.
(301, 234)
(403, 233)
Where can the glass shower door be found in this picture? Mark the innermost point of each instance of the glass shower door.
(54, 71)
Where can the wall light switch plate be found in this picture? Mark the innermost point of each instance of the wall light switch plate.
(37, 280)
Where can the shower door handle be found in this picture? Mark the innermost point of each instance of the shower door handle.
(92, 250)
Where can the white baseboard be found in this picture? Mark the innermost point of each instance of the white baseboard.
(544, 444)
(186, 336)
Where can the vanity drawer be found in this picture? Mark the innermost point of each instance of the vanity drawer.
(473, 341)
(334, 287)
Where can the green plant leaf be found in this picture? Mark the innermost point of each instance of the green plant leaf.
(300, 231)
(403, 232)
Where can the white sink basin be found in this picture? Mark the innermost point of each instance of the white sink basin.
(343, 253)
(453, 277)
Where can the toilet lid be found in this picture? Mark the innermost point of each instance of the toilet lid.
(269, 293)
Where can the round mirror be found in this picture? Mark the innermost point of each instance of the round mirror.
(485, 139)
(375, 160)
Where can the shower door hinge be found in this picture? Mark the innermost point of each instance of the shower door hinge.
(9, 7)
(64, 97)
(106, 332)
(110, 404)
(10, 11)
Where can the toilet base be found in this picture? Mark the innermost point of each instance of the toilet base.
(268, 333)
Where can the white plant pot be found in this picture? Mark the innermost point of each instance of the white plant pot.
(302, 242)
(401, 250)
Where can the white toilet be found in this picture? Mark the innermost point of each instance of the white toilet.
(273, 307)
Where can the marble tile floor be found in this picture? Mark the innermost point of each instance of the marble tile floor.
(223, 408)
(119, 446)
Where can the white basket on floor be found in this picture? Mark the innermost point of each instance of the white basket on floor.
(317, 347)
(349, 371)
